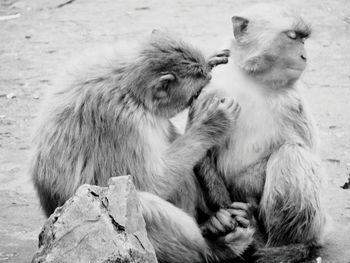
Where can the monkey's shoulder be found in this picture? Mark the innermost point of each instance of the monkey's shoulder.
(297, 122)
(93, 67)
(263, 125)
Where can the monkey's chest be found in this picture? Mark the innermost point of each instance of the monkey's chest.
(242, 165)
(243, 161)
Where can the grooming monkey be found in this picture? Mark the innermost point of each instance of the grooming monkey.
(110, 117)
(270, 158)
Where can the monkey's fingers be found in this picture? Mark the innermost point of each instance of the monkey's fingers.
(247, 207)
(200, 106)
(226, 103)
(217, 61)
(236, 110)
(238, 234)
(205, 102)
(204, 108)
(214, 104)
(216, 227)
(223, 53)
(243, 222)
(238, 212)
(208, 230)
(230, 103)
(226, 220)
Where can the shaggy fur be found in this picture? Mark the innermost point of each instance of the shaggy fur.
(270, 158)
(110, 117)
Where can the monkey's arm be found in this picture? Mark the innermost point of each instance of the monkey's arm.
(213, 185)
(215, 191)
(291, 205)
(208, 128)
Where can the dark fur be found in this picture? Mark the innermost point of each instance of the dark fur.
(110, 117)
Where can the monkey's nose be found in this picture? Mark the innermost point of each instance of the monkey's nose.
(303, 57)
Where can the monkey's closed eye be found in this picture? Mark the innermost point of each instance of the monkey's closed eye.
(297, 35)
(292, 34)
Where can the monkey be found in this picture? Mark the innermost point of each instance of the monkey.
(270, 158)
(109, 116)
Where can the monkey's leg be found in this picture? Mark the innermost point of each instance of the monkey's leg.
(176, 236)
(291, 207)
(215, 191)
(291, 204)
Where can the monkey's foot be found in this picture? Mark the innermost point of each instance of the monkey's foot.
(239, 240)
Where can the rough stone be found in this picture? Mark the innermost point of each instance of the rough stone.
(98, 224)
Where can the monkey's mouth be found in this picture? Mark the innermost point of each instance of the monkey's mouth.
(195, 96)
(296, 68)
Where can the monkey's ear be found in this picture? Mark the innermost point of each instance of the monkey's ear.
(166, 78)
(162, 87)
(240, 25)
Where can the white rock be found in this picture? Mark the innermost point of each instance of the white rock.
(98, 224)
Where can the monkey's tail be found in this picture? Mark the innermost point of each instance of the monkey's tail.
(292, 253)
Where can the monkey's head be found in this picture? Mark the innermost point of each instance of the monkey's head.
(269, 44)
(173, 73)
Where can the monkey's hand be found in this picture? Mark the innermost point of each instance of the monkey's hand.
(220, 224)
(231, 227)
(214, 116)
(242, 213)
(226, 221)
(238, 240)
(219, 58)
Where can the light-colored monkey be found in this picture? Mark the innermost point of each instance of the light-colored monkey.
(110, 117)
(270, 158)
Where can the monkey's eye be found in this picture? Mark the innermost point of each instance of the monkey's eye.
(292, 34)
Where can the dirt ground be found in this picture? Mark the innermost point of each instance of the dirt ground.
(42, 35)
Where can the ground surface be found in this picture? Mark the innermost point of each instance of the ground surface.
(35, 46)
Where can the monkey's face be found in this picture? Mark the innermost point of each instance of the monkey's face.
(291, 55)
(286, 59)
(272, 49)
(174, 94)
(176, 73)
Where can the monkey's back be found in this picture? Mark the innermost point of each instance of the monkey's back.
(105, 119)
(85, 130)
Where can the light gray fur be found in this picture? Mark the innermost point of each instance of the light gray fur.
(271, 157)
(109, 116)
